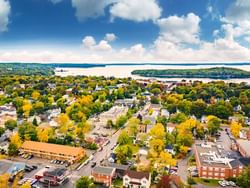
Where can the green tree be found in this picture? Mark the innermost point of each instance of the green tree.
(244, 179)
(213, 124)
(123, 138)
(11, 124)
(85, 182)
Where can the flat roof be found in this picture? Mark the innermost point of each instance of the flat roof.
(52, 148)
(212, 155)
(103, 170)
(245, 145)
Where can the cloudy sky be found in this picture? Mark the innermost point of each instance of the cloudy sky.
(125, 31)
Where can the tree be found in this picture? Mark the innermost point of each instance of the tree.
(123, 153)
(2, 130)
(27, 107)
(4, 180)
(198, 108)
(35, 95)
(235, 129)
(110, 123)
(158, 131)
(64, 123)
(10, 124)
(43, 134)
(120, 121)
(26, 185)
(243, 180)
(156, 147)
(84, 182)
(133, 126)
(213, 124)
(178, 118)
(123, 138)
(16, 140)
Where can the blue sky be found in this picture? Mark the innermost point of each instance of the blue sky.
(124, 30)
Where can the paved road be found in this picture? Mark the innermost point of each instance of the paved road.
(98, 156)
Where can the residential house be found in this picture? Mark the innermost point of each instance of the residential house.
(243, 147)
(134, 179)
(120, 169)
(103, 175)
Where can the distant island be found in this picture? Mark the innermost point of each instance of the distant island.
(213, 73)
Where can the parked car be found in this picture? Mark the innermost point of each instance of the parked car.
(93, 164)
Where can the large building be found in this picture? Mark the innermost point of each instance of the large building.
(213, 162)
(243, 147)
(53, 151)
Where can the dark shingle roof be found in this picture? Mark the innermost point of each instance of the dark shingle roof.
(137, 175)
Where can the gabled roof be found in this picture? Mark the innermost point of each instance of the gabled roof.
(137, 175)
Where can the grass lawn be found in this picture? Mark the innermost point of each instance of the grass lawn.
(117, 183)
(207, 182)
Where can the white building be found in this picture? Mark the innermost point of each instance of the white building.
(134, 179)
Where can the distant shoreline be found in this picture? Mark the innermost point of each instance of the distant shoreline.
(222, 73)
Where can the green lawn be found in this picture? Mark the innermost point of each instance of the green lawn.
(207, 182)
(117, 183)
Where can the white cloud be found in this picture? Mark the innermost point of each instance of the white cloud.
(184, 29)
(89, 8)
(238, 17)
(89, 43)
(55, 1)
(4, 15)
(136, 10)
(110, 37)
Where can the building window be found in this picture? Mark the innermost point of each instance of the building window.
(222, 174)
(210, 168)
(204, 168)
(204, 173)
(222, 169)
(216, 169)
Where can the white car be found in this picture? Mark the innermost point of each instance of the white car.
(222, 184)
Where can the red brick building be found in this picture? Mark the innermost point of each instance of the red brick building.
(103, 175)
(212, 162)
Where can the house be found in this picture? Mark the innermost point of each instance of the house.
(120, 169)
(213, 163)
(7, 112)
(4, 147)
(134, 179)
(53, 151)
(54, 176)
(170, 149)
(244, 133)
(243, 147)
(170, 127)
(103, 175)
(237, 108)
(165, 112)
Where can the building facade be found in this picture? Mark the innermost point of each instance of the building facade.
(213, 164)
(53, 151)
(134, 179)
(103, 175)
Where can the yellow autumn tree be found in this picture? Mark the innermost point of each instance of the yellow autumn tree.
(158, 131)
(16, 140)
(156, 147)
(27, 106)
(64, 122)
(4, 180)
(35, 95)
(43, 134)
(26, 185)
(235, 129)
